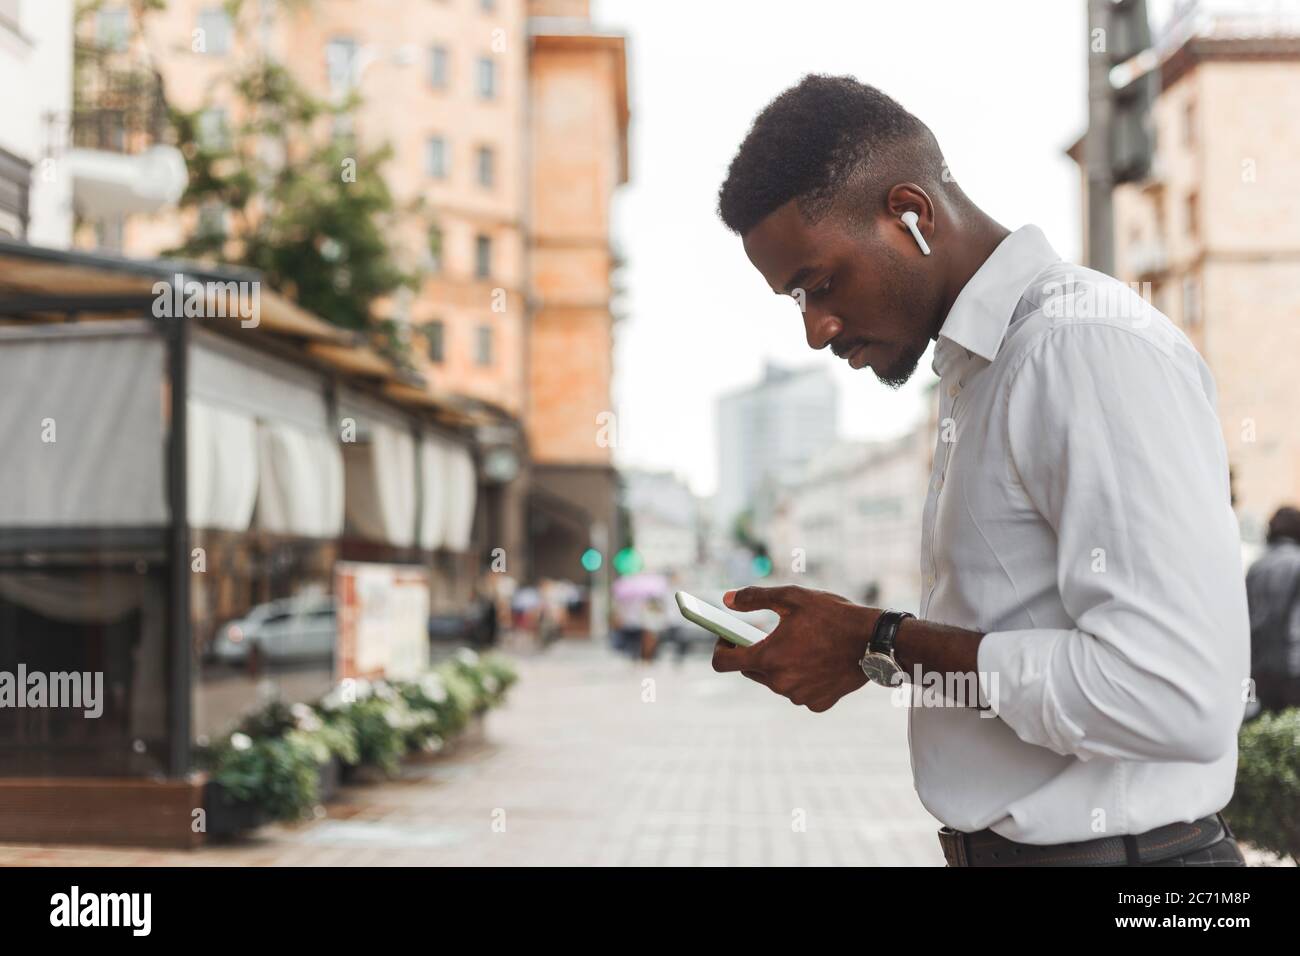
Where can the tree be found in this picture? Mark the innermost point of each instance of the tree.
(307, 210)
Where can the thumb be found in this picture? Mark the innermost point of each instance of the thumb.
(757, 599)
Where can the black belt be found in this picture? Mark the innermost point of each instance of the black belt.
(986, 848)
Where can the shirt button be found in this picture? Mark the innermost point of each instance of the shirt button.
(953, 390)
(938, 483)
(929, 582)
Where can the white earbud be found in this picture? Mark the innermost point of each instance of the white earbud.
(909, 220)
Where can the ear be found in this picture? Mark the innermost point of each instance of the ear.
(906, 197)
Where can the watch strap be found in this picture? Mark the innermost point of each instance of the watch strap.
(885, 633)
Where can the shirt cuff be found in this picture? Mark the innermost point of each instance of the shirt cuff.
(1015, 669)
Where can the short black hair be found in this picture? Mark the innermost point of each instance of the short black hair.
(811, 141)
(1284, 525)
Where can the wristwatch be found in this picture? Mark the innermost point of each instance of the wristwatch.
(879, 663)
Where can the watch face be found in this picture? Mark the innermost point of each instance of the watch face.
(880, 669)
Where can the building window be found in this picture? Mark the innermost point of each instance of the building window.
(112, 28)
(212, 220)
(438, 161)
(487, 6)
(342, 127)
(1191, 301)
(435, 249)
(438, 67)
(216, 27)
(483, 345)
(482, 257)
(435, 332)
(486, 164)
(213, 131)
(341, 66)
(487, 77)
(1193, 215)
(1189, 123)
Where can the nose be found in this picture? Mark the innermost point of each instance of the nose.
(820, 328)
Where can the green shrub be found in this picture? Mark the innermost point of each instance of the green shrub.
(273, 756)
(377, 718)
(1265, 807)
(279, 774)
(499, 675)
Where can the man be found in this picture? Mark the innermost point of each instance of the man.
(1080, 560)
(1273, 593)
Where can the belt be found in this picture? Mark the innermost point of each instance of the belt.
(986, 848)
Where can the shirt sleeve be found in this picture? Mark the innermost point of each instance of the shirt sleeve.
(1116, 442)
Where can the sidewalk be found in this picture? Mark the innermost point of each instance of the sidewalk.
(596, 760)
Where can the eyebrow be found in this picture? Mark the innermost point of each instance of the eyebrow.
(795, 279)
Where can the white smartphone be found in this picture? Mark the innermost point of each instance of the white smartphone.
(717, 621)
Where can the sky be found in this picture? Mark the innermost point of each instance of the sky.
(1002, 85)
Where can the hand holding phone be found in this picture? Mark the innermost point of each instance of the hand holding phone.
(717, 621)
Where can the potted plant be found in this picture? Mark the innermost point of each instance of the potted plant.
(253, 781)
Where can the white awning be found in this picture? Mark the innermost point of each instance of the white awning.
(448, 488)
(459, 498)
(300, 482)
(82, 436)
(222, 471)
(433, 479)
(381, 495)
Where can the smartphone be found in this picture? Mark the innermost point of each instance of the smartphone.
(717, 621)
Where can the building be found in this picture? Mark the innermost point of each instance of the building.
(851, 522)
(1213, 233)
(768, 431)
(182, 516)
(508, 125)
(36, 59)
(578, 158)
(664, 516)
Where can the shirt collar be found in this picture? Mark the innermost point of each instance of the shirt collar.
(978, 320)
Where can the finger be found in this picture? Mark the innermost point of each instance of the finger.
(779, 599)
(728, 657)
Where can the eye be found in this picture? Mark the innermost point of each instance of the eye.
(821, 290)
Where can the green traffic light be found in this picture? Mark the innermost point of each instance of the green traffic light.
(628, 561)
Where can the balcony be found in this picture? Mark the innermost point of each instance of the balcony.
(118, 103)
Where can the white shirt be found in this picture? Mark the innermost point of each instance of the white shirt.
(1078, 515)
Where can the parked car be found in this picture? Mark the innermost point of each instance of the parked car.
(288, 630)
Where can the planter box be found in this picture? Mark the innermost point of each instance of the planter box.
(331, 775)
(118, 812)
(228, 816)
(364, 773)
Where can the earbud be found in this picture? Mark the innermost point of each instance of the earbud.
(909, 220)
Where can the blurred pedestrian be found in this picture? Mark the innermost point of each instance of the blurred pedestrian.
(625, 637)
(1273, 593)
(655, 621)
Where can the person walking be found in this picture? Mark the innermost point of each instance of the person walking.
(1273, 593)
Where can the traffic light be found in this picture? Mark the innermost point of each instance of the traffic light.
(1132, 141)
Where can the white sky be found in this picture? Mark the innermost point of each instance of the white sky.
(1002, 85)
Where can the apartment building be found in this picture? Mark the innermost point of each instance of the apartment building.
(1215, 229)
(36, 58)
(508, 125)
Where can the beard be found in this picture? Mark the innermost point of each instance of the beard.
(898, 372)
